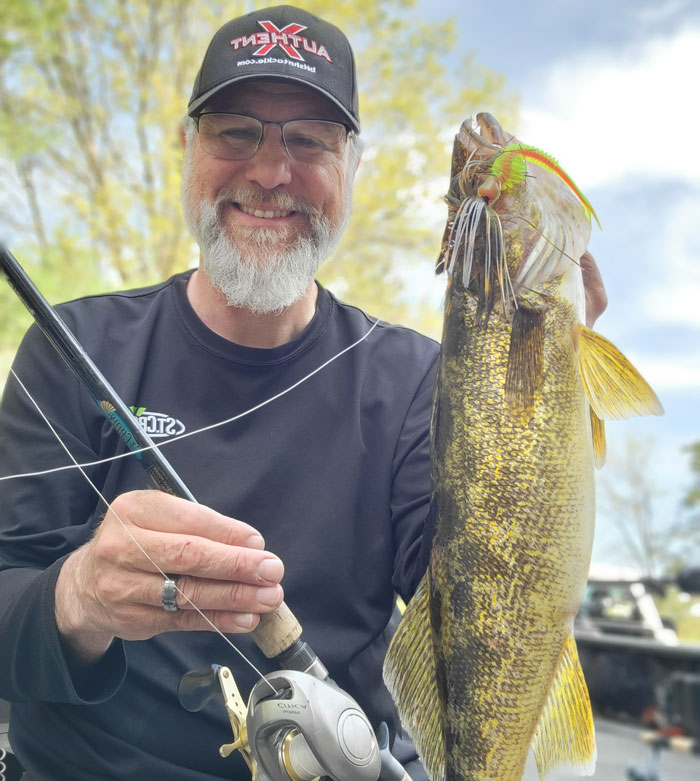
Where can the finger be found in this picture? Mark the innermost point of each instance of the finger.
(596, 297)
(159, 511)
(183, 554)
(131, 607)
(209, 595)
(591, 272)
(224, 621)
(144, 622)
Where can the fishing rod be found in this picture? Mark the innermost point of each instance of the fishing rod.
(278, 632)
(321, 730)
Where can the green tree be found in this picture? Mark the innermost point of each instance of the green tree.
(91, 98)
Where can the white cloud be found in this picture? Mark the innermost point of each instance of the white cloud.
(673, 372)
(607, 115)
(613, 118)
(673, 296)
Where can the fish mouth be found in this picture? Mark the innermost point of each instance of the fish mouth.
(473, 248)
(485, 133)
(477, 143)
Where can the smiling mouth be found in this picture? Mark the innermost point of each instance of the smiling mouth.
(265, 214)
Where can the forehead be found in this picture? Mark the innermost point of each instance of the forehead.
(275, 100)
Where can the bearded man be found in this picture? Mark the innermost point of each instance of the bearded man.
(331, 477)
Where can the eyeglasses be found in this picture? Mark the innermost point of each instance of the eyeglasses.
(237, 137)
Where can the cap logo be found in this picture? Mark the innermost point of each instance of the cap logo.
(286, 38)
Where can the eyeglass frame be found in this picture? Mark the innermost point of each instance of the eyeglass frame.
(349, 131)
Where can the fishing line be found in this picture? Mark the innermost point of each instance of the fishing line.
(549, 241)
(209, 427)
(131, 535)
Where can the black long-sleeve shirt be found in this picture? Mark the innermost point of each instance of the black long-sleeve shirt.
(334, 474)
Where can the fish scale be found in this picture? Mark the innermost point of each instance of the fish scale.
(492, 545)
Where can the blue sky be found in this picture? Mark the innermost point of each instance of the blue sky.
(609, 88)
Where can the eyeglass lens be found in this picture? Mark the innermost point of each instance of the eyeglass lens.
(237, 137)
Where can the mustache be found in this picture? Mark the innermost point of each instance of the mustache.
(254, 196)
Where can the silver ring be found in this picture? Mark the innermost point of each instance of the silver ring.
(169, 596)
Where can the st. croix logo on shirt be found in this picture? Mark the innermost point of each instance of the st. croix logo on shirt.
(158, 424)
(287, 38)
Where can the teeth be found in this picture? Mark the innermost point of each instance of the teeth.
(260, 213)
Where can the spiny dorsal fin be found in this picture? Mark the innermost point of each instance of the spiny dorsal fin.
(524, 371)
(409, 674)
(598, 434)
(615, 389)
(565, 733)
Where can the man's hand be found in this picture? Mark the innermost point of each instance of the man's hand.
(596, 297)
(109, 589)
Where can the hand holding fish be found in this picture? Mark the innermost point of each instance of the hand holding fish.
(108, 589)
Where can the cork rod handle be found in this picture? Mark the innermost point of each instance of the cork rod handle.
(276, 631)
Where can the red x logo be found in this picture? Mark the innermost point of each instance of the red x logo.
(280, 38)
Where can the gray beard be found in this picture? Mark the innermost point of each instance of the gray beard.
(252, 269)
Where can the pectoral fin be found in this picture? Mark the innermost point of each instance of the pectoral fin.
(409, 674)
(615, 389)
(565, 733)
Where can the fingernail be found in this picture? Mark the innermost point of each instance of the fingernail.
(269, 596)
(270, 570)
(255, 541)
(244, 620)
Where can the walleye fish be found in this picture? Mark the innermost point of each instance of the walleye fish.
(484, 663)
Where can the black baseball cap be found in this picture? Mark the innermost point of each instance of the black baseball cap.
(282, 43)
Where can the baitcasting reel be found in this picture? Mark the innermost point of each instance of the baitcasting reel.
(297, 727)
(309, 728)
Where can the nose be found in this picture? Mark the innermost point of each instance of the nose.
(270, 166)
